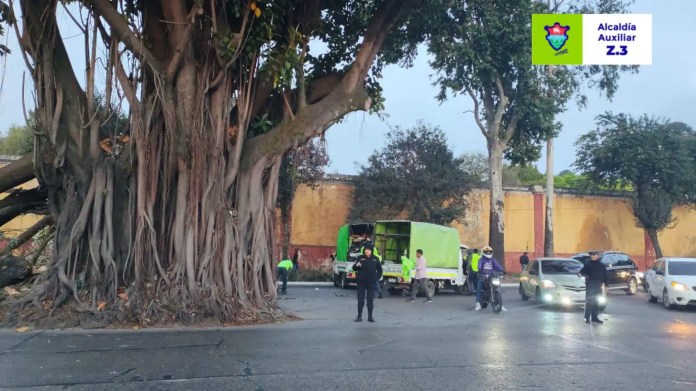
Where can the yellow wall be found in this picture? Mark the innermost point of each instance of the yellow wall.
(582, 222)
(16, 226)
(603, 223)
(318, 213)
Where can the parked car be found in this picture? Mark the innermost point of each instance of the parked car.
(555, 281)
(622, 272)
(673, 280)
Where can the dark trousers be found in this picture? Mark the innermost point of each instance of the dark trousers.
(368, 288)
(282, 274)
(593, 291)
(473, 280)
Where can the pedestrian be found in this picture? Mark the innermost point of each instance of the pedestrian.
(282, 272)
(524, 260)
(421, 278)
(296, 257)
(595, 274)
(473, 270)
(486, 266)
(369, 271)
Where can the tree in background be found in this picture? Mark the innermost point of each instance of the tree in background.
(415, 176)
(19, 140)
(655, 156)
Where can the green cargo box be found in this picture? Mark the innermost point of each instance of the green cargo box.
(440, 244)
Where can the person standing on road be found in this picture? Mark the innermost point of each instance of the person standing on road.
(473, 270)
(595, 274)
(282, 272)
(369, 271)
(524, 260)
(486, 266)
(421, 277)
(296, 257)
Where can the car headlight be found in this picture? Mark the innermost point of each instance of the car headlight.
(548, 284)
(601, 300)
(678, 286)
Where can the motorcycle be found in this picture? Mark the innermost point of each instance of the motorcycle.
(491, 293)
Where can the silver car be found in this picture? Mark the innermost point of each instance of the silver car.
(555, 281)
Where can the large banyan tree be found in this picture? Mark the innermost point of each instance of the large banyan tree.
(172, 215)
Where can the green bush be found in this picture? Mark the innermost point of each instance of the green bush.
(311, 275)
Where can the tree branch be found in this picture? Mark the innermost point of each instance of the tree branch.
(502, 103)
(118, 25)
(27, 235)
(24, 197)
(16, 173)
(477, 111)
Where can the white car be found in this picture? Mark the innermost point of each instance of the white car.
(673, 280)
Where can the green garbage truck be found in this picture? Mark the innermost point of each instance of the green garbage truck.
(349, 241)
(397, 242)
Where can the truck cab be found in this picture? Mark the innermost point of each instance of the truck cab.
(349, 241)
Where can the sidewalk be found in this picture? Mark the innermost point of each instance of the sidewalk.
(318, 284)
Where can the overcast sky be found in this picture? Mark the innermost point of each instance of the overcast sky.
(667, 89)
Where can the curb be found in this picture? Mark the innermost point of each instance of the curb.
(303, 283)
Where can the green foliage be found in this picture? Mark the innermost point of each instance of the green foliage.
(655, 156)
(475, 165)
(415, 176)
(485, 46)
(5, 17)
(311, 275)
(19, 140)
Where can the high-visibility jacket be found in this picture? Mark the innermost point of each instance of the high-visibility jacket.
(406, 266)
(286, 263)
(474, 262)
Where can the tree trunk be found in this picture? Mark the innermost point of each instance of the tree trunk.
(183, 218)
(496, 236)
(652, 233)
(548, 222)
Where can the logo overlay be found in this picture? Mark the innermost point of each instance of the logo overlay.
(557, 39)
(591, 39)
(556, 35)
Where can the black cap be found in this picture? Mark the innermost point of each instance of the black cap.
(369, 246)
(593, 252)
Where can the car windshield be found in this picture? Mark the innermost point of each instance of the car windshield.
(561, 267)
(682, 268)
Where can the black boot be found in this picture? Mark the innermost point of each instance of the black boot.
(596, 320)
(370, 318)
(359, 318)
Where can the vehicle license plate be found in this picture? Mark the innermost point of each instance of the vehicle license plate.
(579, 297)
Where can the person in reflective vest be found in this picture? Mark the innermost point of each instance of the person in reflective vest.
(282, 272)
(406, 266)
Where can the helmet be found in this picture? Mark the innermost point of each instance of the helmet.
(487, 251)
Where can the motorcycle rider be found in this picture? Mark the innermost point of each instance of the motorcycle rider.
(486, 266)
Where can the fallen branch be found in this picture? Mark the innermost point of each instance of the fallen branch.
(16, 173)
(42, 246)
(24, 197)
(27, 235)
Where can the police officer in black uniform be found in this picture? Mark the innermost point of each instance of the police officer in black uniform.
(369, 271)
(595, 274)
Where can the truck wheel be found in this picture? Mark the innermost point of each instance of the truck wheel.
(396, 292)
(344, 281)
(337, 279)
(431, 287)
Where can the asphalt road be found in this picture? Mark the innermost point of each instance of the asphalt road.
(413, 346)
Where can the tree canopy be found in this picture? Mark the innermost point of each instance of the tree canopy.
(415, 176)
(656, 157)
